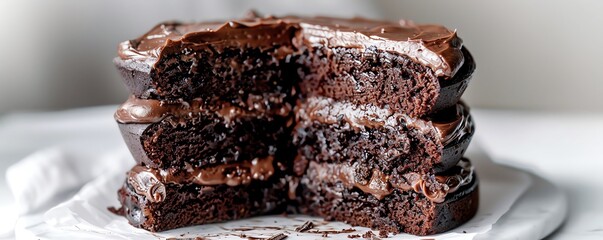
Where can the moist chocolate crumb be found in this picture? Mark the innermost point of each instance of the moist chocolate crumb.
(354, 236)
(305, 227)
(383, 234)
(279, 236)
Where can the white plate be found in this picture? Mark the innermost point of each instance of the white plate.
(85, 215)
(535, 215)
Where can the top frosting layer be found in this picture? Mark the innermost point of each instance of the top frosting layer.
(432, 45)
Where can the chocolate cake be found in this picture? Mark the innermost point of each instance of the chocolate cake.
(354, 120)
(420, 204)
(158, 201)
(163, 134)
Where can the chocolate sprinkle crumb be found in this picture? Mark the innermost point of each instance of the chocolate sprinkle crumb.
(279, 236)
(252, 238)
(305, 227)
(370, 235)
(347, 230)
(354, 236)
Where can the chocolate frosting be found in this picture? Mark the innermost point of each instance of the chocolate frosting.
(328, 111)
(150, 182)
(136, 110)
(434, 188)
(432, 45)
(456, 127)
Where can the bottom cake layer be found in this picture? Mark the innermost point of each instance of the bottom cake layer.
(400, 211)
(157, 204)
(184, 205)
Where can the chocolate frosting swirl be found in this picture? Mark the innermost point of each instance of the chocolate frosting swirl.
(433, 187)
(150, 182)
(136, 110)
(432, 45)
(325, 110)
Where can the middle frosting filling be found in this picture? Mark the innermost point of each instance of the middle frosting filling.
(136, 110)
(450, 126)
(150, 182)
(433, 187)
(325, 110)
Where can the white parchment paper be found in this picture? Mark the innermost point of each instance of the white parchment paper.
(85, 215)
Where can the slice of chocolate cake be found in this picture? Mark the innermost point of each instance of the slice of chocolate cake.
(354, 120)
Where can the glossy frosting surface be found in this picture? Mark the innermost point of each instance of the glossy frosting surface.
(433, 187)
(150, 182)
(431, 45)
(136, 110)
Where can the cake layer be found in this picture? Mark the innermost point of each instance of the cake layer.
(174, 135)
(410, 68)
(242, 77)
(367, 137)
(181, 205)
(399, 211)
(382, 78)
